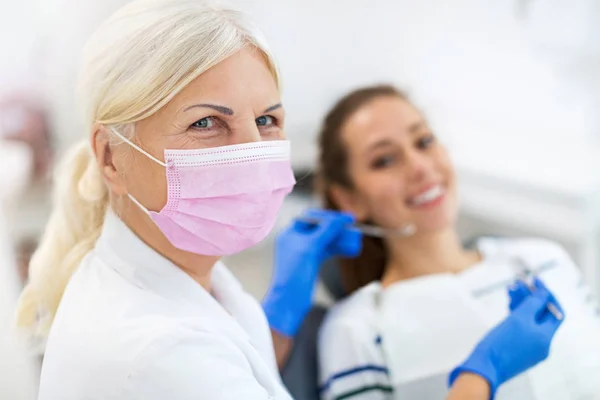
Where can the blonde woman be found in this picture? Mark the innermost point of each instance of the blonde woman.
(184, 161)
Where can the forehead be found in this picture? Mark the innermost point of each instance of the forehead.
(386, 117)
(244, 77)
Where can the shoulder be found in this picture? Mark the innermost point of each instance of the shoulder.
(358, 309)
(352, 320)
(545, 258)
(350, 353)
(186, 364)
(535, 251)
(521, 245)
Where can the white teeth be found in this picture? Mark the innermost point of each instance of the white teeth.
(430, 195)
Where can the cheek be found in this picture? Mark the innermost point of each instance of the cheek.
(146, 181)
(446, 168)
(385, 197)
(444, 163)
(449, 175)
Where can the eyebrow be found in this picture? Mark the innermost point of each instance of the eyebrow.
(417, 126)
(227, 110)
(412, 129)
(221, 109)
(380, 143)
(273, 107)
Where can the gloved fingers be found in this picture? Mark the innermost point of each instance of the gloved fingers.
(552, 307)
(549, 316)
(328, 215)
(305, 222)
(320, 213)
(313, 220)
(301, 226)
(517, 292)
(533, 306)
(550, 323)
(536, 304)
(551, 313)
(545, 298)
(331, 224)
(347, 244)
(540, 286)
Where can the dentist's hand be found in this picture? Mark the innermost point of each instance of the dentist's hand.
(299, 252)
(518, 343)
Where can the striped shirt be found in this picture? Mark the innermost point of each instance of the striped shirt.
(389, 344)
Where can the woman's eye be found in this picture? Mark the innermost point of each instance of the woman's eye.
(426, 142)
(204, 123)
(265, 120)
(383, 161)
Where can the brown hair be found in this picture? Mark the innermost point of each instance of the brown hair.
(333, 170)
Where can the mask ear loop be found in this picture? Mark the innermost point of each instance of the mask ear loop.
(144, 152)
(138, 148)
(144, 209)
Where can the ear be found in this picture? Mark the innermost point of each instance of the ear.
(349, 201)
(105, 158)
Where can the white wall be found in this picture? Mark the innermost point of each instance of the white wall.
(513, 89)
(476, 67)
(19, 369)
(492, 70)
(18, 40)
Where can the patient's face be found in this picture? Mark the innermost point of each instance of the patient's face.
(401, 174)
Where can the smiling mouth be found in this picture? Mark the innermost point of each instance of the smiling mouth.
(429, 197)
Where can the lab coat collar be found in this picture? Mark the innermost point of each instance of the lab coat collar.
(145, 268)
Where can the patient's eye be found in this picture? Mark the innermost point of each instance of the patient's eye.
(383, 161)
(426, 141)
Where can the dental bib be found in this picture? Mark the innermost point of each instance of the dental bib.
(429, 325)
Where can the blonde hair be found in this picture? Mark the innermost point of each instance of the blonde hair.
(136, 62)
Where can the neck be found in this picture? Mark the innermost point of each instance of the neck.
(198, 267)
(425, 254)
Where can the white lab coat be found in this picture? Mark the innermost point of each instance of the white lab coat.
(131, 325)
(402, 341)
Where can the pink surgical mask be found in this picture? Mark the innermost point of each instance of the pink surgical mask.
(222, 200)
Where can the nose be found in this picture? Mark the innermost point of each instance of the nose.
(247, 132)
(419, 165)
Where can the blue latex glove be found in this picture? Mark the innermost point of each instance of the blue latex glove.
(518, 343)
(299, 252)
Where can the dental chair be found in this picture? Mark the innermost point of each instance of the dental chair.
(301, 371)
(300, 374)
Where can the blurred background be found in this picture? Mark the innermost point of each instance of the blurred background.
(511, 86)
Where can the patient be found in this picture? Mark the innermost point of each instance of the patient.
(418, 304)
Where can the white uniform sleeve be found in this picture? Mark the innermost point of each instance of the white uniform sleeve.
(201, 366)
(351, 363)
